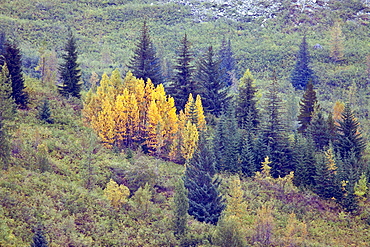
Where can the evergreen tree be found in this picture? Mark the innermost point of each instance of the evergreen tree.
(307, 105)
(70, 74)
(226, 143)
(246, 109)
(302, 73)
(349, 140)
(7, 108)
(273, 137)
(248, 155)
(183, 81)
(2, 48)
(145, 63)
(318, 130)
(39, 240)
(227, 63)
(326, 180)
(44, 113)
(214, 92)
(304, 157)
(181, 209)
(205, 202)
(13, 60)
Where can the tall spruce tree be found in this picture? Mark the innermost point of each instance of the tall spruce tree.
(183, 81)
(2, 48)
(246, 109)
(273, 138)
(39, 240)
(227, 62)
(7, 108)
(214, 91)
(226, 143)
(304, 159)
(349, 140)
(327, 184)
(307, 105)
(319, 131)
(302, 73)
(205, 201)
(145, 64)
(13, 59)
(248, 155)
(181, 209)
(70, 73)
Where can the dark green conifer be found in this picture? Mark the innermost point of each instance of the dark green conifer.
(319, 131)
(39, 240)
(304, 159)
(145, 63)
(13, 59)
(226, 143)
(227, 62)
(70, 74)
(44, 112)
(327, 184)
(273, 137)
(181, 209)
(248, 155)
(246, 109)
(302, 73)
(205, 202)
(307, 105)
(7, 111)
(183, 81)
(214, 92)
(349, 140)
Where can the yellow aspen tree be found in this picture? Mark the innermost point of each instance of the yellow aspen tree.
(143, 104)
(117, 83)
(121, 118)
(201, 120)
(103, 90)
(295, 232)
(190, 110)
(336, 43)
(236, 204)
(264, 226)
(190, 137)
(175, 148)
(338, 109)
(91, 107)
(116, 194)
(154, 140)
(105, 124)
(133, 120)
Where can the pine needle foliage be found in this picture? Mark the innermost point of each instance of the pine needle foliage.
(39, 240)
(13, 60)
(214, 91)
(302, 73)
(307, 104)
(183, 80)
(205, 202)
(70, 73)
(145, 64)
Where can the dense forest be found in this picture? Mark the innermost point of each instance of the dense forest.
(184, 123)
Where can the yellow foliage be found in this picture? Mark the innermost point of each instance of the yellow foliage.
(331, 166)
(155, 128)
(189, 138)
(266, 170)
(201, 120)
(338, 109)
(106, 124)
(116, 194)
(295, 232)
(236, 204)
